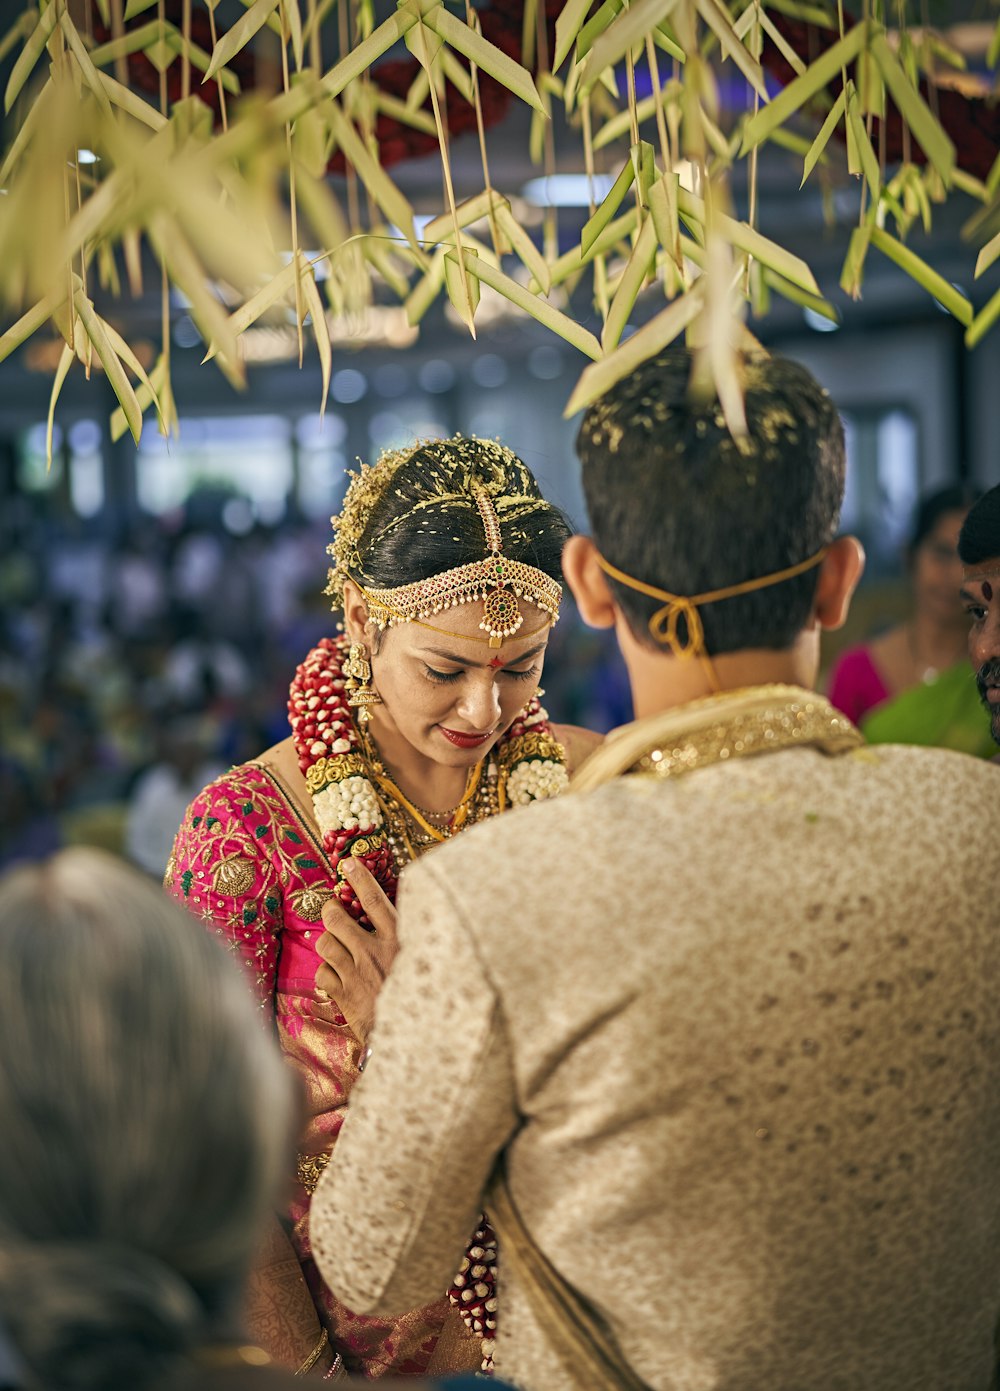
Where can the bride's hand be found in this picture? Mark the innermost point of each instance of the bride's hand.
(357, 961)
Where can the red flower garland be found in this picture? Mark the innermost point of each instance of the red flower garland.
(327, 744)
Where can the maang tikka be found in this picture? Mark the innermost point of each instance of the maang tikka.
(360, 692)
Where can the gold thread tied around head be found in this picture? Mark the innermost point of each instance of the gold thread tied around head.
(664, 623)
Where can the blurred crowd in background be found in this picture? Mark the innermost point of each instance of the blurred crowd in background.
(131, 673)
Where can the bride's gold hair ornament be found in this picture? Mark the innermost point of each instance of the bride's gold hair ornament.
(498, 581)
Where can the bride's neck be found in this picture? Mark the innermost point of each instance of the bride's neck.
(424, 781)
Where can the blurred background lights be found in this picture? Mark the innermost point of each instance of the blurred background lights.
(348, 386)
(436, 376)
(488, 370)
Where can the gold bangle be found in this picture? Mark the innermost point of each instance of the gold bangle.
(315, 1355)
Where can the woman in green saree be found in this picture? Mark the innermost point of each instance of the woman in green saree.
(913, 684)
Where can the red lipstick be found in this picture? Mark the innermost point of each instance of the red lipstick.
(462, 740)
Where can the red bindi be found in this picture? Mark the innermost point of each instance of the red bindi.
(987, 591)
(496, 662)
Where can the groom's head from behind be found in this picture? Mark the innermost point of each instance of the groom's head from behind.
(679, 505)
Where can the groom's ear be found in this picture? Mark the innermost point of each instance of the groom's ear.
(580, 563)
(842, 568)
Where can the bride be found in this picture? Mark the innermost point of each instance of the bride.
(419, 720)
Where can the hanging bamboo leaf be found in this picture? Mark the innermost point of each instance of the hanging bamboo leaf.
(943, 291)
(926, 129)
(380, 256)
(718, 20)
(175, 252)
(240, 34)
(853, 270)
(663, 209)
(22, 28)
(569, 22)
(633, 278)
(484, 54)
(293, 21)
(361, 58)
(667, 44)
(130, 360)
(790, 99)
(321, 331)
(809, 14)
(645, 343)
(621, 36)
(528, 253)
(965, 183)
(596, 25)
(780, 42)
(66, 358)
(30, 54)
(382, 189)
(426, 290)
(748, 239)
(472, 210)
(30, 323)
(199, 59)
(863, 145)
(644, 163)
(399, 111)
(797, 295)
(321, 209)
(120, 384)
(419, 91)
(279, 287)
(463, 291)
(572, 262)
(612, 202)
(459, 77)
(620, 125)
(82, 57)
(144, 396)
(983, 322)
(573, 333)
(834, 117)
(987, 255)
(133, 41)
(126, 100)
(993, 52)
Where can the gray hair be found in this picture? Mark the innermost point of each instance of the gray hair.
(146, 1120)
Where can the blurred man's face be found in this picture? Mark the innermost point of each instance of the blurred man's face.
(980, 594)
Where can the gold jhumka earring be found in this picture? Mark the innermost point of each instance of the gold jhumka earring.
(361, 695)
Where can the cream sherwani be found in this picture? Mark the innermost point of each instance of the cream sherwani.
(736, 1034)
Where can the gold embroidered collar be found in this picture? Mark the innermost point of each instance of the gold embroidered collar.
(733, 724)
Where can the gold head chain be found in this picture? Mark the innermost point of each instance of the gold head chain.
(496, 580)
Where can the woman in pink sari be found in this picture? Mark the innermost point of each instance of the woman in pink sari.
(446, 560)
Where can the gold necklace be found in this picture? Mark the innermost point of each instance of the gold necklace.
(388, 790)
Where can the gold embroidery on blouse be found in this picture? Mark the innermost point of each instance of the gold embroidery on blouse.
(308, 903)
(233, 876)
(308, 1169)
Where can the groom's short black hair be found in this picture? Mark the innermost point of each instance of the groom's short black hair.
(676, 502)
(979, 538)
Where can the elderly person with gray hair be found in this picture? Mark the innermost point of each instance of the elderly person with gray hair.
(146, 1121)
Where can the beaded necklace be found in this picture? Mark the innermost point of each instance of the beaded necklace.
(362, 813)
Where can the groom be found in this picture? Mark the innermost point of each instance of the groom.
(712, 1038)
